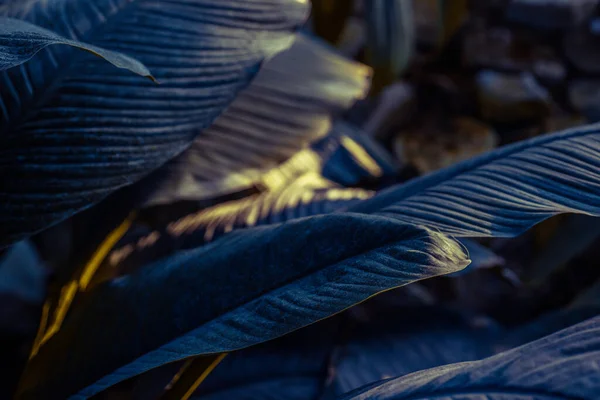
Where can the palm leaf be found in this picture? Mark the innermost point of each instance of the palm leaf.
(561, 366)
(504, 192)
(73, 129)
(287, 106)
(20, 41)
(284, 277)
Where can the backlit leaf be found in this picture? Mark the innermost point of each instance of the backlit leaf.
(288, 105)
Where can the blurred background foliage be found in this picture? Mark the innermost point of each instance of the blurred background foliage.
(451, 79)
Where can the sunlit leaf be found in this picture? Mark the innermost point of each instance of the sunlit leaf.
(504, 192)
(350, 156)
(561, 366)
(73, 128)
(284, 277)
(288, 105)
(20, 41)
(308, 195)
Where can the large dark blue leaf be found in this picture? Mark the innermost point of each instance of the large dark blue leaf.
(561, 366)
(283, 276)
(20, 41)
(294, 367)
(73, 128)
(407, 341)
(504, 192)
(287, 106)
(308, 195)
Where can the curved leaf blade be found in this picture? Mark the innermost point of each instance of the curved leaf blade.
(21, 41)
(279, 288)
(293, 367)
(560, 366)
(415, 339)
(308, 195)
(504, 192)
(73, 129)
(288, 105)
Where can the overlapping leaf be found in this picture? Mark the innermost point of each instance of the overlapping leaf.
(345, 156)
(291, 368)
(74, 129)
(20, 41)
(287, 106)
(505, 192)
(561, 366)
(407, 341)
(283, 276)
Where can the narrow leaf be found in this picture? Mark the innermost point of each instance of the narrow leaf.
(504, 192)
(284, 276)
(73, 128)
(561, 366)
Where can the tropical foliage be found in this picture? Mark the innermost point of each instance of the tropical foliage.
(199, 211)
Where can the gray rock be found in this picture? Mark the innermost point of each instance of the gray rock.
(510, 98)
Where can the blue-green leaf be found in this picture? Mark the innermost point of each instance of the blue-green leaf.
(504, 192)
(20, 41)
(73, 128)
(284, 277)
(560, 366)
(290, 104)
